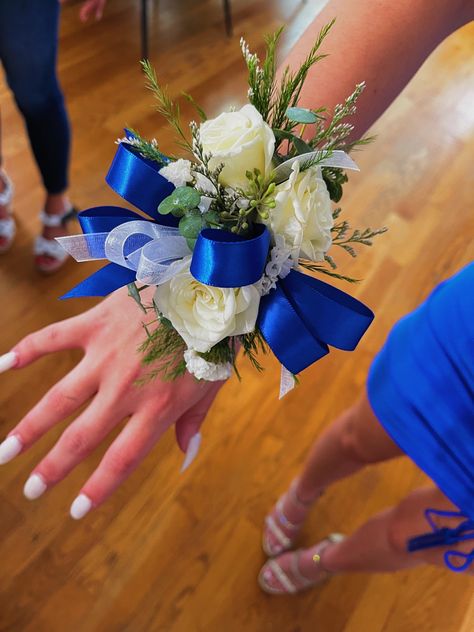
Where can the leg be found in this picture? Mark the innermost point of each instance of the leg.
(354, 440)
(28, 49)
(379, 545)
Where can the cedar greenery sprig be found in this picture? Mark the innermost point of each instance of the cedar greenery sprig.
(147, 148)
(166, 107)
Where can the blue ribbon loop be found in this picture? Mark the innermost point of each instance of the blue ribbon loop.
(303, 315)
(136, 179)
(224, 259)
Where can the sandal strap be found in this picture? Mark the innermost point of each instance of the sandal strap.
(54, 221)
(282, 577)
(7, 193)
(282, 519)
(7, 228)
(277, 532)
(295, 569)
(50, 248)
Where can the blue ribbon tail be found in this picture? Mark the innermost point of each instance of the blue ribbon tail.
(137, 180)
(303, 315)
(103, 282)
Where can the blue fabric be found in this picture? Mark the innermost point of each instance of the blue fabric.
(421, 387)
(457, 561)
(28, 51)
(137, 180)
(223, 259)
(303, 315)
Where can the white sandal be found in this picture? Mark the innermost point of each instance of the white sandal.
(289, 585)
(274, 527)
(50, 247)
(7, 224)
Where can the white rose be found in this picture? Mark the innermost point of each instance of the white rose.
(303, 214)
(204, 315)
(242, 141)
(178, 172)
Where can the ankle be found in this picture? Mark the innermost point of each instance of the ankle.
(304, 495)
(57, 203)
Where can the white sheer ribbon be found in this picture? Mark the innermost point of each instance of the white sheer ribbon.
(151, 249)
(337, 159)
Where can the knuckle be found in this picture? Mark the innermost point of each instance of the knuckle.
(76, 442)
(56, 400)
(121, 463)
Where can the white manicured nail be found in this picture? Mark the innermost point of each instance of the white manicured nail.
(192, 451)
(8, 361)
(80, 507)
(34, 487)
(9, 449)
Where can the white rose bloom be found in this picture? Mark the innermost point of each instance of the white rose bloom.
(203, 315)
(178, 172)
(242, 141)
(303, 214)
(203, 370)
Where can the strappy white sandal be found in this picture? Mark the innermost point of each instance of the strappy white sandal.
(297, 582)
(7, 224)
(274, 527)
(50, 247)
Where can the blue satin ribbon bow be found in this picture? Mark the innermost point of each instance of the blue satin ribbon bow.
(457, 561)
(298, 319)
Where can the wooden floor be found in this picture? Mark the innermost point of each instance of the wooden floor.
(180, 553)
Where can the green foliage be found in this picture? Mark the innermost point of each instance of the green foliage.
(148, 149)
(253, 344)
(223, 352)
(164, 348)
(181, 201)
(134, 292)
(302, 115)
(191, 225)
(200, 111)
(166, 107)
(334, 179)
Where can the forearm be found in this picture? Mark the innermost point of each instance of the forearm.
(380, 42)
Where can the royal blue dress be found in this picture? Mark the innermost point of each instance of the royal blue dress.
(421, 387)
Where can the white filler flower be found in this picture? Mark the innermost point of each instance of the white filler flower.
(203, 370)
(178, 172)
(203, 315)
(242, 141)
(303, 214)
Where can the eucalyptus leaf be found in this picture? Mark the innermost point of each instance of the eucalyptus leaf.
(186, 198)
(182, 199)
(212, 219)
(191, 225)
(301, 115)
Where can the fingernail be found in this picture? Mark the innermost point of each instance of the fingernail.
(34, 487)
(192, 451)
(80, 507)
(8, 361)
(9, 449)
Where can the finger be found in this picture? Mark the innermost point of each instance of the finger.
(132, 445)
(100, 10)
(86, 10)
(76, 443)
(189, 424)
(68, 334)
(63, 399)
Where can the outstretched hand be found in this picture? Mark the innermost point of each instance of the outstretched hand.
(105, 377)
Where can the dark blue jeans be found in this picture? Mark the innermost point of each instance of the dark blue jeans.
(28, 51)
